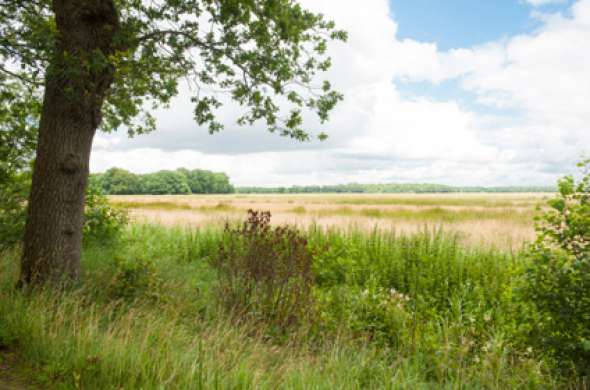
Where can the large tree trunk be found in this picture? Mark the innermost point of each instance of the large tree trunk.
(75, 87)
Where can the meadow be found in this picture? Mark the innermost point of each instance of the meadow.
(501, 220)
(368, 292)
(148, 316)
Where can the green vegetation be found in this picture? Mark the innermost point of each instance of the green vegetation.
(389, 311)
(388, 189)
(101, 221)
(255, 306)
(558, 280)
(118, 181)
(262, 307)
(13, 197)
(18, 109)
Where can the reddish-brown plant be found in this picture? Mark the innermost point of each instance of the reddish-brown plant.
(265, 272)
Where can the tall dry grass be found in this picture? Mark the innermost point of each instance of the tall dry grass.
(501, 220)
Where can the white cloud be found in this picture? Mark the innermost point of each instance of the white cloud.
(103, 142)
(378, 135)
(539, 3)
(543, 76)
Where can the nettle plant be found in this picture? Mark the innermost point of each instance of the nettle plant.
(558, 280)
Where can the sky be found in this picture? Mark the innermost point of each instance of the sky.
(457, 92)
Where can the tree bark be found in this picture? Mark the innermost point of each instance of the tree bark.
(76, 84)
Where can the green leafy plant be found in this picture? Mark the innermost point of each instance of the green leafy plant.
(558, 280)
(12, 210)
(265, 273)
(102, 221)
(134, 278)
(378, 314)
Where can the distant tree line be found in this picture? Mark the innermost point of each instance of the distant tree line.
(388, 189)
(117, 181)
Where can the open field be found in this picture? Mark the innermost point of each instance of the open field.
(502, 220)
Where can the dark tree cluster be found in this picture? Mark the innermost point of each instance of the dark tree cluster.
(117, 181)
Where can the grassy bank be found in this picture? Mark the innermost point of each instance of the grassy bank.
(390, 311)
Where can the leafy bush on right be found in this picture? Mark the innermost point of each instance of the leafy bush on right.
(558, 280)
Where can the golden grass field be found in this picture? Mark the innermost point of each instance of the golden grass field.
(501, 220)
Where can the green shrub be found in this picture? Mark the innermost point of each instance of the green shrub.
(13, 197)
(102, 222)
(134, 278)
(265, 273)
(558, 280)
(374, 313)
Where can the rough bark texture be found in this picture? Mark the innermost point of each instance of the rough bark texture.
(74, 94)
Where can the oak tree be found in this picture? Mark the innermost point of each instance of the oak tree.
(84, 65)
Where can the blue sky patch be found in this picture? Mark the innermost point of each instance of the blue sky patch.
(465, 23)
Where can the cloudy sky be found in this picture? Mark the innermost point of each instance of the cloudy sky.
(456, 92)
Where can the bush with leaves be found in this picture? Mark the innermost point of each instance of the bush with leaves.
(135, 278)
(102, 222)
(13, 198)
(558, 280)
(380, 315)
(265, 273)
(19, 112)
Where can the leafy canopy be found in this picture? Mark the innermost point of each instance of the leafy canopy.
(262, 53)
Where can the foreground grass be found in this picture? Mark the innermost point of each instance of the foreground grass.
(145, 316)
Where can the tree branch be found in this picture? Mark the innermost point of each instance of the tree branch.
(21, 77)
